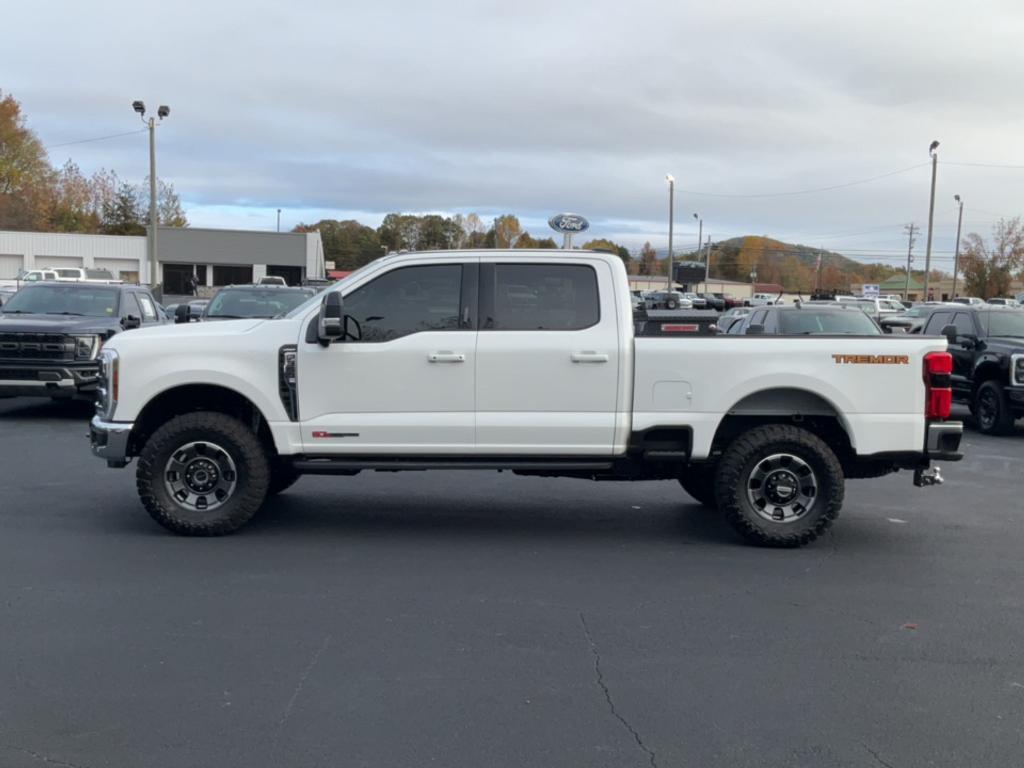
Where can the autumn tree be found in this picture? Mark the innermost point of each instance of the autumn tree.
(507, 230)
(26, 177)
(603, 244)
(122, 215)
(648, 260)
(988, 269)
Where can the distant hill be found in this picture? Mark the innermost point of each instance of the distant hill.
(792, 265)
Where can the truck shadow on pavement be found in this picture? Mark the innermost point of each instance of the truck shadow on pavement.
(41, 409)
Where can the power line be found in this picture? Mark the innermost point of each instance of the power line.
(97, 138)
(985, 165)
(807, 191)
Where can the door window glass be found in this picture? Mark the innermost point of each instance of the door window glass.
(407, 300)
(131, 306)
(964, 325)
(937, 322)
(543, 297)
(148, 310)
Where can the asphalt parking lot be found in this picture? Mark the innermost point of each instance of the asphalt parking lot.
(478, 619)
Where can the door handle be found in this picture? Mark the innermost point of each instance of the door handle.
(446, 357)
(589, 357)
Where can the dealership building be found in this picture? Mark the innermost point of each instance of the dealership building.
(215, 256)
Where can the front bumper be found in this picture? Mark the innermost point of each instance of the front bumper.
(942, 440)
(48, 380)
(1016, 397)
(109, 440)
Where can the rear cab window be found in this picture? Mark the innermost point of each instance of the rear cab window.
(539, 297)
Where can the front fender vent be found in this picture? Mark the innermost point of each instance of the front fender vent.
(288, 381)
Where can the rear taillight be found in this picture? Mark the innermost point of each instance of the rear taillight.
(938, 383)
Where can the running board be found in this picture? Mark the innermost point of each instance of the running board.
(342, 466)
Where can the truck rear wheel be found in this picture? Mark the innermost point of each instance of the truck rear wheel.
(699, 482)
(202, 474)
(779, 486)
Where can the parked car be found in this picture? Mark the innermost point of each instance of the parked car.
(29, 276)
(666, 300)
(249, 301)
(696, 300)
(763, 300)
(405, 365)
(730, 300)
(911, 320)
(272, 280)
(5, 293)
(876, 309)
(805, 319)
(712, 301)
(971, 301)
(195, 309)
(51, 333)
(81, 275)
(987, 344)
(1003, 302)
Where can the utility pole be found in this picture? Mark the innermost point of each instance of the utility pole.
(700, 244)
(278, 219)
(154, 264)
(909, 229)
(671, 213)
(931, 217)
(707, 264)
(817, 272)
(956, 257)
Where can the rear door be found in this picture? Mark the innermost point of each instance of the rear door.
(547, 362)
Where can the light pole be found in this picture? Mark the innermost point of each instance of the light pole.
(956, 256)
(278, 219)
(671, 214)
(931, 217)
(154, 265)
(700, 242)
(753, 282)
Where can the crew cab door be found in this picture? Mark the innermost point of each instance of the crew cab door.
(547, 357)
(407, 384)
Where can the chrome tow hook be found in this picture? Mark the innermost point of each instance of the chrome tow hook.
(925, 477)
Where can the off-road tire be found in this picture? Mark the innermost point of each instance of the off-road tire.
(245, 450)
(282, 477)
(1002, 421)
(699, 482)
(744, 455)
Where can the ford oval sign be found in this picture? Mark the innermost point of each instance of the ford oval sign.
(568, 223)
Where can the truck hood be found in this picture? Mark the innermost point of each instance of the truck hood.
(190, 330)
(16, 323)
(1011, 344)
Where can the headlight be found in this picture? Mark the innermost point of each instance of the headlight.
(86, 347)
(1017, 370)
(108, 385)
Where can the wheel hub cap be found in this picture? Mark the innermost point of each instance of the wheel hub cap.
(200, 476)
(782, 488)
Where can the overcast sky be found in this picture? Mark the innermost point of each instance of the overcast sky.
(344, 109)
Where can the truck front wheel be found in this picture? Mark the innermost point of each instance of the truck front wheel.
(992, 409)
(202, 474)
(779, 486)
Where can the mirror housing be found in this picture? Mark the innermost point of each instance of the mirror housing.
(330, 325)
(182, 313)
(949, 331)
(128, 322)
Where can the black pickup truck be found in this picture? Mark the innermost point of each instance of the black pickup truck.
(987, 344)
(51, 334)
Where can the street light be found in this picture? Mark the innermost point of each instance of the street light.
(956, 257)
(931, 217)
(154, 267)
(671, 213)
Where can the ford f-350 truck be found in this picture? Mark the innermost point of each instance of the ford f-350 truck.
(514, 360)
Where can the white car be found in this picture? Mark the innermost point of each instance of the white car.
(425, 361)
(81, 275)
(1001, 302)
(272, 280)
(29, 276)
(763, 300)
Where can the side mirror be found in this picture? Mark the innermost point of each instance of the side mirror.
(330, 324)
(130, 322)
(949, 331)
(755, 329)
(713, 328)
(182, 313)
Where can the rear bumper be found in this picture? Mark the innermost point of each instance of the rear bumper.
(109, 440)
(53, 380)
(942, 440)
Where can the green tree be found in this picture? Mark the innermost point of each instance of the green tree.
(122, 214)
(348, 244)
(648, 260)
(988, 268)
(169, 212)
(603, 244)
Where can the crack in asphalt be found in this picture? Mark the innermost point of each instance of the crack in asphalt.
(41, 757)
(608, 694)
(877, 757)
(298, 688)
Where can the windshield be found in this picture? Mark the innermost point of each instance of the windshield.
(335, 286)
(810, 322)
(1009, 323)
(54, 299)
(255, 302)
(67, 272)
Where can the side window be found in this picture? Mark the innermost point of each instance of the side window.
(148, 310)
(543, 297)
(407, 300)
(964, 325)
(771, 322)
(130, 305)
(758, 317)
(736, 327)
(937, 322)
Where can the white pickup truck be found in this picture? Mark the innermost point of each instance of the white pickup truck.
(525, 361)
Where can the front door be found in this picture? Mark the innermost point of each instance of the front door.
(547, 358)
(407, 383)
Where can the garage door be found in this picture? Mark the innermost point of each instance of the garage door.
(58, 262)
(120, 268)
(9, 266)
